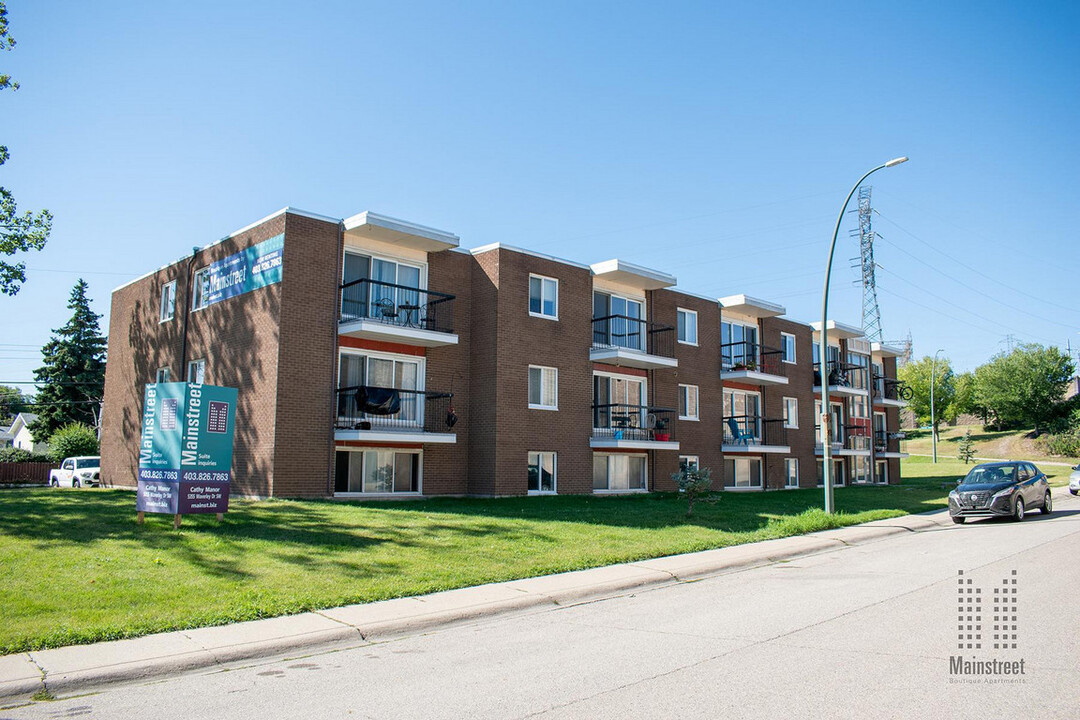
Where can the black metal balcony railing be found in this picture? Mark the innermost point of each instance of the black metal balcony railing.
(881, 441)
(891, 389)
(849, 437)
(622, 331)
(633, 422)
(397, 305)
(365, 408)
(754, 430)
(840, 374)
(752, 356)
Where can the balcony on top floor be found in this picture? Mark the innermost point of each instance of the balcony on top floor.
(890, 392)
(633, 342)
(381, 414)
(633, 427)
(752, 363)
(754, 434)
(841, 376)
(387, 312)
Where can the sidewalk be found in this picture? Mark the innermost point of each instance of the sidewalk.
(83, 668)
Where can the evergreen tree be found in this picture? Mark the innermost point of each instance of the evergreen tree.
(966, 448)
(73, 376)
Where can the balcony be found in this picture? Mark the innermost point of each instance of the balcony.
(630, 427)
(633, 342)
(754, 433)
(840, 379)
(848, 440)
(383, 311)
(752, 363)
(886, 444)
(890, 392)
(379, 414)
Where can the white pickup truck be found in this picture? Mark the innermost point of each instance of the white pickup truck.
(76, 472)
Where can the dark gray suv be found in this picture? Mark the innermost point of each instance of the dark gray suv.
(1000, 489)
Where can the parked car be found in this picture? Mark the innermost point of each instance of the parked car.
(1000, 489)
(1074, 480)
(76, 472)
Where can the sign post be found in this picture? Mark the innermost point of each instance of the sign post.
(185, 452)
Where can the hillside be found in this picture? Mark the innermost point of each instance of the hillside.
(1008, 444)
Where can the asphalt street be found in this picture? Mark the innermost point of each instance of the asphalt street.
(862, 631)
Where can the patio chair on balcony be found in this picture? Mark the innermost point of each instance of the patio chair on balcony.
(738, 437)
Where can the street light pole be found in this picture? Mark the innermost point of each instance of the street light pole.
(933, 423)
(826, 433)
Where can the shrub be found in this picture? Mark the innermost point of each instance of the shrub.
(18, 455)
(73, 439)
(1066, 444)
(695, 483)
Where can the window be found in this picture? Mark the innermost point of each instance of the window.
(860, 469)
(791, 472)
(541, 472)
(687, 320)
(619, 472)
(617, 322)
(787, 345)
(859, 407)
(742, 412)
(882, 474)
(200, 296)
(738, 345)
(406, 375)
(742, 472)
(619, 402)
(385, 290)
(168, 301)
(543, 388)
(688, 462)
(162, 375)
(837, 473)
(791, 413)
(196, 370)
(377, 472)
(688, 402)
(543, 297)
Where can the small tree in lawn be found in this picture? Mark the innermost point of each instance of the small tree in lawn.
(73, 440)
(966, 448)
(695, 483)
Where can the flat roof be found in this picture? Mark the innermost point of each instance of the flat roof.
(839, 330)
(399, 232)
(633, 275)
(885, 350)
(751, 306)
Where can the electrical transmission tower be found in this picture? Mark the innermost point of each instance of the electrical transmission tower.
(871, 313)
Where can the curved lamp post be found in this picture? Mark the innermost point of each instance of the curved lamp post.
(826, 433)
(933, 419)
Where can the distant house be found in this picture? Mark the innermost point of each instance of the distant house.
(5, 438)
(21, 437)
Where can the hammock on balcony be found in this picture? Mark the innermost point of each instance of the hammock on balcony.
(378, 401)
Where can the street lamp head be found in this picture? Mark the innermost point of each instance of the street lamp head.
(896, 161)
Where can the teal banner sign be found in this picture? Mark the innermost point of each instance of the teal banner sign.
(186, 448)
(250, 269)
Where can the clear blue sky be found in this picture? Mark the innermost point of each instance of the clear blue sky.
(713, 142)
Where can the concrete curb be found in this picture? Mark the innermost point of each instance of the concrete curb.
(82, 668)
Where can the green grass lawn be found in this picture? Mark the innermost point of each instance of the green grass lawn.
(76, 568)
(1009, 444)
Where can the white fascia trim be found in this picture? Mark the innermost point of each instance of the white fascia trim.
(523, 251)
(403, 226)
(842, 330)
(617, 265)
(736, 300)
(271, 216)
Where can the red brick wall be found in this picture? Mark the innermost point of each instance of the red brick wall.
(800, 386)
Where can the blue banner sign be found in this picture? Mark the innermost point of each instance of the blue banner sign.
(247, 270)
(186, 448)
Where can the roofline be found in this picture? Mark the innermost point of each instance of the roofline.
(250, 226)
(503, 246)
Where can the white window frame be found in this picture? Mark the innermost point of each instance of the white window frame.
(619, 491)
(689, 314)
(684, 402)
(788, 464)
(747, 461)
(784, 337)
(421, 374)
(543, 279)
(196, 294)
(411, 451)
(555, 380)
(158, 375)
(690, 459)
(554, 471)
(168, 290)
(200, 366)
(791, 420)
(877, 478)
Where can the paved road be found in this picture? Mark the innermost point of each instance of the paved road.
(862, 632)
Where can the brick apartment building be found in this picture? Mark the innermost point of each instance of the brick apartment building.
(387, 361)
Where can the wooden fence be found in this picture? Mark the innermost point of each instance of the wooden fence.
(26, 472)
